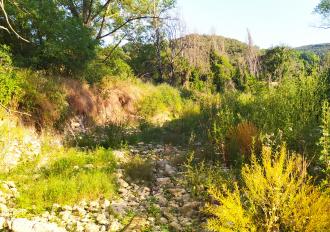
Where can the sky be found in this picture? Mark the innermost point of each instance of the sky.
(271, 22)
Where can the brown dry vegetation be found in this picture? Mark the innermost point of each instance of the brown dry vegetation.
(104, 103)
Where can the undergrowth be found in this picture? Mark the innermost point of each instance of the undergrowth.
(65, 176)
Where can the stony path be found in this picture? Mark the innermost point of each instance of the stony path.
(162, 204)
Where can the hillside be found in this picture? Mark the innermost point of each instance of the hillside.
(319, 49)
(197, 49)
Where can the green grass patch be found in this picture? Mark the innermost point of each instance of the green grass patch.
(69, 177)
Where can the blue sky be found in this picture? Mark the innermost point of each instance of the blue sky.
(271, 22)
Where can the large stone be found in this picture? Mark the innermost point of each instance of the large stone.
(2, 223)
(3, 209)
(91, 227)
(25, 225)
(122, 183)
(163, 181)
(161, 200)
(119, 207)
(94, 206)
(115, 226)
(102, 219)
(175, 226)
(169, 170)
(189, 208)
(177, 192)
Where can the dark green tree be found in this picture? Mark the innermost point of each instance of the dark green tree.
(222, 70)
(323, 8)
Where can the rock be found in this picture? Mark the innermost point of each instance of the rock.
(80, 210)
(94, 206)
(79, 227)
(163, 181)
(163, 220)
(175, 226)
(120, 155)
(123, 183)
(25, 225)
(123, 191)
(106, 204)
(47, 227)
(168, 215)
(66, 216)
(169, 170)
(3, 209)
(177, 192)
(67, 208)
(91, 227)
(102, 219)
(161, 200)
(115, 226)
(188, 208)
(2, 223)
(119, 207)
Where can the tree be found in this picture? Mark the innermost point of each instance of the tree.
(9, 28)
(252, 56)
(107, 17)
(323, 8)
(221, 69)
(279, 62)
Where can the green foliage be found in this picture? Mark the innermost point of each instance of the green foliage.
(110, 61)
(56, 41)
(199, 176)
(221, 69)
(43, 97)
(10, 81)
(280, 62)
(276, 195)
(110, 136)
(70, 176)
(290, 111)
(323, 8)
(325, 139)
(163, 101)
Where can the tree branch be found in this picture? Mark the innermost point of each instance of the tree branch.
(2, 7)
(114, 48)
(90, 11)
(105, 6)
(125, 23)
(73, 9)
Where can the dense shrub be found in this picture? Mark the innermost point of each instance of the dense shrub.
(289, 112)
(43, 98)
(10, 81)
(240, 141)
(276, 195)
(164, 101)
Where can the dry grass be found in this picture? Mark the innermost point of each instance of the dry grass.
(241, 140)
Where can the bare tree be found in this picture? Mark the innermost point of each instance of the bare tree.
(175, 31)
(252, 56)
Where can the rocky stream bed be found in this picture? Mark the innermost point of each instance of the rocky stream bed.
(163, 204)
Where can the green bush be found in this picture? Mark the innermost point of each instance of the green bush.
(277, 195)
(162, 100)
(290, 112)
(10, 81)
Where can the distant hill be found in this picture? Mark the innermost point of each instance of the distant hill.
(198, 47)
(319, 49)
